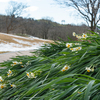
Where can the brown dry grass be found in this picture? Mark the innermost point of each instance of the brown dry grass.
(9, 39)
(3, 52)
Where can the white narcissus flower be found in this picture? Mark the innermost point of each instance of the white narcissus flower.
(33, 75)
(79, 48)
(30, 75)
(13, 85)
(76, 49)
(2, 86)
(72, 49)
(63, 70)
(9, 73)
(88, 69)
(20, 62)
(74, 34)
(66, 67)
(22, 65)
(97, 32)
(79, 37)
(84, 36)
(12, 64)
(15, 62)
(1, 79)
(68, 45)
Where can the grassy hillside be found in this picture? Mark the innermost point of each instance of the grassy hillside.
(9, 42)
(61, 71)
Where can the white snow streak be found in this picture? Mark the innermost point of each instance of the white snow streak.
(18, 47)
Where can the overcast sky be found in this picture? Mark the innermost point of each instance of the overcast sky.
(46, 8)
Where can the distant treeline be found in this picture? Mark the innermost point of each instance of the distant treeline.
(43, 28)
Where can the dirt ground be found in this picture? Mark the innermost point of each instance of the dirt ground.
(7, 38)
(7, 56)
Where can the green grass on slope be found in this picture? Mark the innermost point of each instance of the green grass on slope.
(61, 71)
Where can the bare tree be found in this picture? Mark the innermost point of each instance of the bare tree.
(88, 9)
(14, 10)
(45, 27)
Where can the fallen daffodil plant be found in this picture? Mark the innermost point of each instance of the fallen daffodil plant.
(59, 71)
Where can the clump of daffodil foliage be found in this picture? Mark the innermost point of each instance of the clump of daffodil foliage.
(58, 71)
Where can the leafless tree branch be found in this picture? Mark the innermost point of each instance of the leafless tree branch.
(15, 9)
(89, 9)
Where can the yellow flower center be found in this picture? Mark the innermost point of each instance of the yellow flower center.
(77, 36)
(12, 64)
(20, 62)
(63, 70)
(8, 74)
(88, 70)
(66, 68)
(11, 85)
(15, 63)
(79, 47)
(1, 80)
(27, 74)
(84, 36)
(71, 48)
(68, 45)
(22, 66)
(10, 71)
(2, 86)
